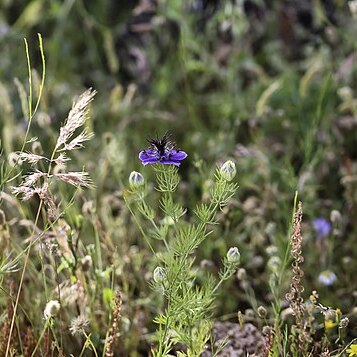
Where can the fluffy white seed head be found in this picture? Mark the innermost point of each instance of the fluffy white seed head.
(51, 309)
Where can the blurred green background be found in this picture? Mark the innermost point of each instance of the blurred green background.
(267, 83)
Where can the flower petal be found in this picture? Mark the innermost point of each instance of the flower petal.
(149, 161)
(149, 157)
(170, 162)
(177, 155)
(145, 154)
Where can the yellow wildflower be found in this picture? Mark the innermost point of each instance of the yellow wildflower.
(352, 351)
(329, 324)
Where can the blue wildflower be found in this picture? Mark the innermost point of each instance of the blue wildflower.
(162, 151)
(322, 227)
(327, 278)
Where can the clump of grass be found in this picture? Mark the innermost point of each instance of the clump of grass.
(39, 181)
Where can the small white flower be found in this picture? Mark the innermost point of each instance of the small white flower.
(327, 278)
(136, 180)
(233, 255)
(228, 170)
(51, 309)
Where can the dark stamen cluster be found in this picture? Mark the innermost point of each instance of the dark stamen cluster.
(162, 144)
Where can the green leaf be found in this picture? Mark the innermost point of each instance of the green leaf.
(108, 296)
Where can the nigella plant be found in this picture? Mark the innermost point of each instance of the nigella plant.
(162, 151)
(186, 313)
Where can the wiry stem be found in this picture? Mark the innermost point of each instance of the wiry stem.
(22, 278)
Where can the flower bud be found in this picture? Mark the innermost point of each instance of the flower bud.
(274, 263)
(228, 170)
(233, 255)
(262, 312)
(344, 322)
(314, 297)
(249, 314)
(86, 262)
(241, 274)
(136, 180)
(36, 148)
(267, 330)
(51, 309)
(335, 217)
(159, 275)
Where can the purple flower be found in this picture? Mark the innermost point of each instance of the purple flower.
(322, 226)
(162, 151)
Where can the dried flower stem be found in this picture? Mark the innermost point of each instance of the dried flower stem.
(296, 288)
(115, 325)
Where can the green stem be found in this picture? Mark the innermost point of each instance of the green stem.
(139, 226)
(97, 245)
(90, 343)
(40, 338)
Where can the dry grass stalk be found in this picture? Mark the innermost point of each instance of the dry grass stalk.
(76, 118)
(31, 158)
(25, 192)
(109, 352)
(78, 179)
(31, 179)
(296, 288)
(47, 343)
